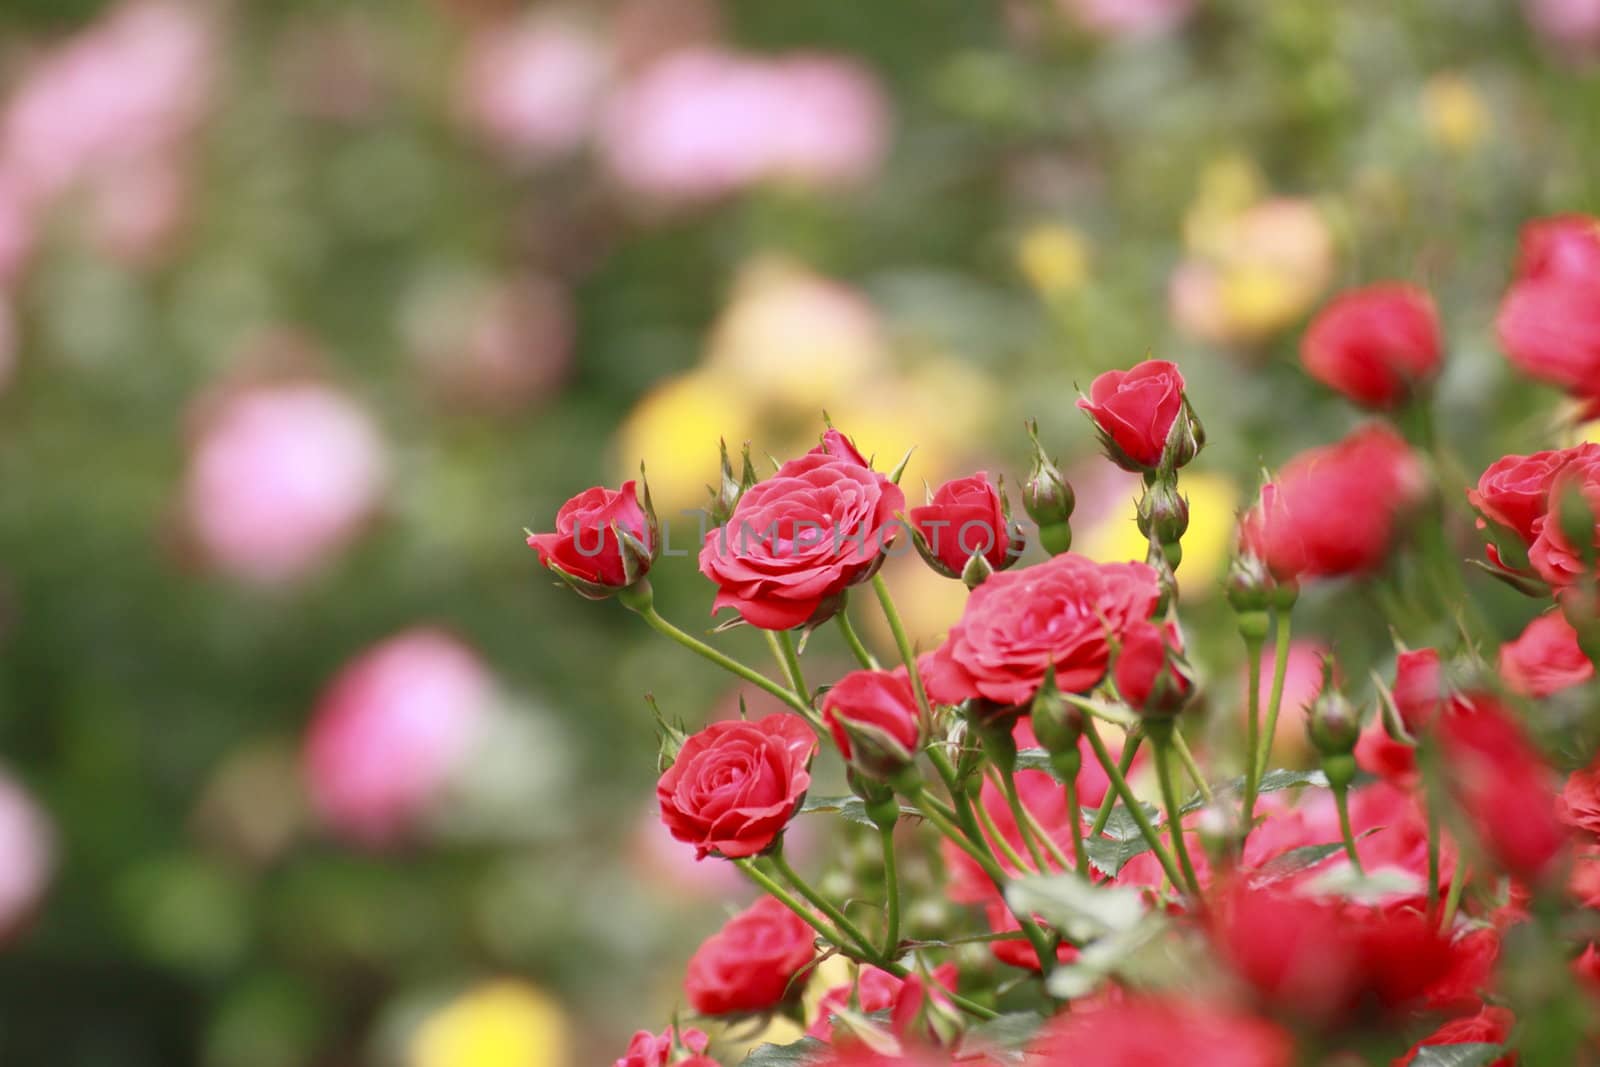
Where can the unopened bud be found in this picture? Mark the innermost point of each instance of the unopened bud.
(1250, 590)
(1163, 511)
(1048, 498)
(1057, 724)
(1333, 724)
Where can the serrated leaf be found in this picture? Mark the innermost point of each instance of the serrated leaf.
(1034, 759)
(1470, 1054)
(1302, 859)
(850, 808)
(1007, 1032)
(1104, 958)
(1274, 781)
(1371, 887)
(806, 1052)
(1109, 856)
(1120, 825)
(1079, 910)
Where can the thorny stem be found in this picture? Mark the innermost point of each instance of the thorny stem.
(1131, 802)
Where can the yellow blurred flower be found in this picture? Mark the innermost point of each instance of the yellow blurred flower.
(795, 341)
(1227, 187)
(674, 431)
(502, 1024)
(1054, 259)
(1206, 545)
(1453, 113)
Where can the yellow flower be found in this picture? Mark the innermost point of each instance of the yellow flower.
(1054, 259)
(1206, 544)
(674, 432)
(795, 341)
(502, 1024)
(1453, 113)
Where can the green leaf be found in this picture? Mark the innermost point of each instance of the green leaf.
(851, 808)
(1079, 910)
(806, 1052)
(1034, 759)
(1009, 1031)
(1120, 825)
(1274, 781)
(1471, 1054)
(1302, 859)
(1110, 856)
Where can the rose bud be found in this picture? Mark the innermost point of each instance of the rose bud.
(1140, 413)
(965, 519)
(735, 785)
(1545, 659)
(663, 1049)
(1375, 345)
(873, 718)
(604, 541)
(1151, 673)
(729, 489)
(1163, 512)
(1058, 725)
(1333, 724)
(1048, 499)
(752, 963)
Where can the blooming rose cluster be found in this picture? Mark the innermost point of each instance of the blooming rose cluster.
(1042, 745)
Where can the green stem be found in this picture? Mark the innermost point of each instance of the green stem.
(649, 614)
(1187, 757)
(853, 639)
(1033, 825)
(1130, 749)
(1341, 800)
(783, 647)
(1080, 853)
(1042, 945)
(1452, 901)
(1161, 738)
(771, 886)
(1280, 672)
(1019, 815)
(891, 879)
(1131, 802)
(1009, 850)
(1252, 736)
(822, 903)
(1431, 800)
(902, 641)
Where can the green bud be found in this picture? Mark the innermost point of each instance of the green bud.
(1163, 513)
(1057, 724)
(1046, 496)
(1333, 724)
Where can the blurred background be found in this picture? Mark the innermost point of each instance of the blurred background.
(307, 308)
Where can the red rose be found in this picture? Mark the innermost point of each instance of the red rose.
(1514, 491)
(1144, 1030)
(586, 546)
(874, 991)
(1324, 959)
(1549, 327)
(1552, 554)
(1333, 510)
(1147, 674)
(1419, 687)
(751, 963)
(1375, 345)
(656, 1050)
(1135, 410)
(1491, 1026)
(802, 537)
(1018, 625)
(1379, 754)
(1545, 659)
(873, 718)
(1579, 802)
(966, 517)
(1562, 246)
(735, 785)
(1502, 784)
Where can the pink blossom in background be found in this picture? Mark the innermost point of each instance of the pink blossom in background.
(533, 90)
(135, 82)
(701, 124)
(17, 230)
(280, 477)
(493, 345)
(134, 216)
(8, 343)
(1128, 18)
(665, 862)
(388, 732)
(27, 854)
(1571, 27)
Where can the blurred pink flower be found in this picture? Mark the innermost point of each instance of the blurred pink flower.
(27, 854)
(389, 730)
(533, 90)
(135, 215)
(281, 477)
(1128, 18)
(702, 123)
(493, 345)
(1572, 27)
(134, 82)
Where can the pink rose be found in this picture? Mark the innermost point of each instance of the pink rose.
(735, 785)
(1545, 659)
